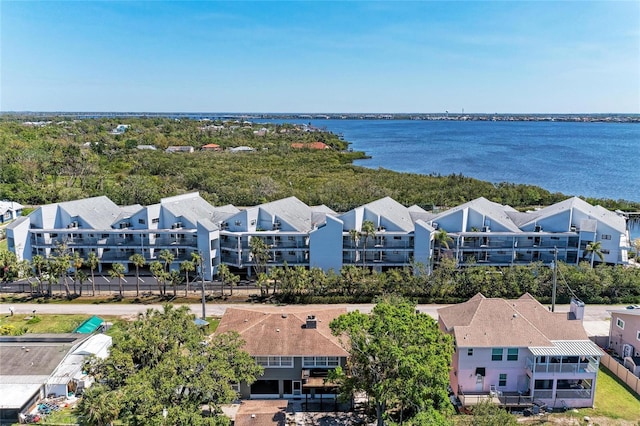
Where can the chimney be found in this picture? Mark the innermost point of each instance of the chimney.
(311, 321)
(576, 307)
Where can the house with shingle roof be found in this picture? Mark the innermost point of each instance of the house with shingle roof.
(295, 346)
(518, 352)
(9, 210)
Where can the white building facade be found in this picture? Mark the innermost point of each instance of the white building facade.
(480, 233)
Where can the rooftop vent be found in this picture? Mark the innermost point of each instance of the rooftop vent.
(311, 321)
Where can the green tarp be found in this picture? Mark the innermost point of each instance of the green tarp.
(90, 325)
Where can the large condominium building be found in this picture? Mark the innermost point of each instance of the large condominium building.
(479, 232)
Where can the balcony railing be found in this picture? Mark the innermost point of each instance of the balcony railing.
(561, 368)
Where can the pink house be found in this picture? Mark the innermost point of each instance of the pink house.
(517, 352)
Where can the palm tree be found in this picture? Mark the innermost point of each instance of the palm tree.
(138, 261)
(99, 406)
(223, 275)
(442, 239)
(593, 249)
(81, 276)
(367, 230)
(77, 262)
(93, 262)
(187, 266)
(117, 271)
(259, 254)
(175, 279)
(62, 263)
(38, 263)
(157, 270)
(355, 238)
(168, 257)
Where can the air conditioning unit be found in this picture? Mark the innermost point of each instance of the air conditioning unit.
(435, 225)
(537, 228)
(627, 350)
(486, 229)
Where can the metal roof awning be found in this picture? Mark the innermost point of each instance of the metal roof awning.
(568, 348)
(90, 325)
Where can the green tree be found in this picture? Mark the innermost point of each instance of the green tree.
(354, 235)
(167, 257)
(61, 265)
(367, 230)
(117, 271)
(164, 360)
(187, 266)
(98, 406)
(227, 277)
(175, 279)
(138, 261)
(259, 255)
(157, 270)
(398, 356)
(593, 249)
(93, 262)
(441, 239)
(487, 414)
(39, 263)
(77, 261)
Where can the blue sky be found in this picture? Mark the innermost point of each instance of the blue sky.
(325, 56)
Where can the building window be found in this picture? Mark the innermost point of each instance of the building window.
(502, 380)
(512, 354)
(320, 361)
(238, 223)
(620, 323)
(470, 352)
(141, 221)
(496, 354)
(275, 361)
(605, 251)
(606, 237)
(155, 220)
(638, 336)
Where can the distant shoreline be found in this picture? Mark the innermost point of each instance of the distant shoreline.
(572, 118)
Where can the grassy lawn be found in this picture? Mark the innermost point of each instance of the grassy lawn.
(614, 401)
(49, 323)
(62, 417)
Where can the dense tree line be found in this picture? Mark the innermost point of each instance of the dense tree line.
(67, 160)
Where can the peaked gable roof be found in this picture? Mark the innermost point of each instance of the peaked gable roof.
(392, 211)
(281, 331)
(594, 212)
(496, 212)
(98, 212)
(190, 206)
(495, 322)
(292, 211)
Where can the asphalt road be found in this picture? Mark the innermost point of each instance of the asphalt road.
(596, 319)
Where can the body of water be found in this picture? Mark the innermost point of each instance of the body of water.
(600, 160)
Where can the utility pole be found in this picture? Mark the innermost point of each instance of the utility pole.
(204, 305)
(555, 279)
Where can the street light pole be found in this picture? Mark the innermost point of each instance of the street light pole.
(555, 279)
